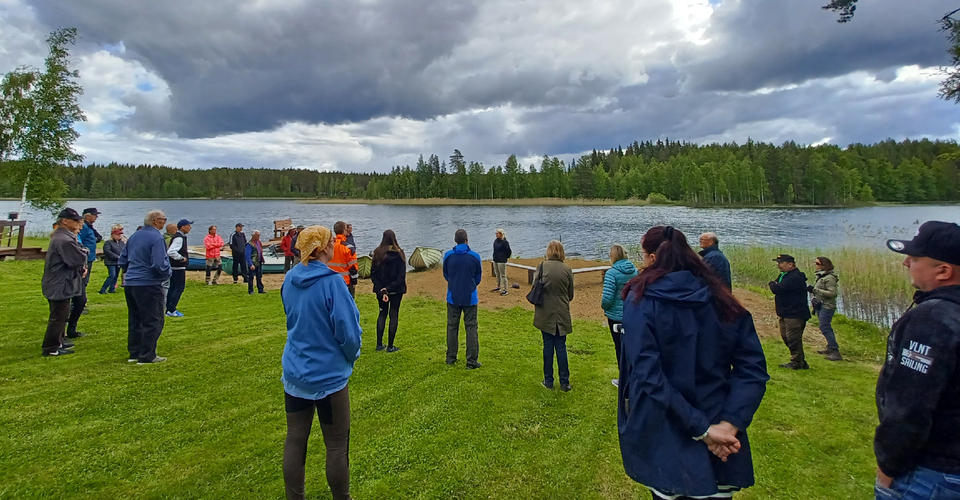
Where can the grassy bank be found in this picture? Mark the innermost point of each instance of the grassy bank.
(874, 285)
(209, 422)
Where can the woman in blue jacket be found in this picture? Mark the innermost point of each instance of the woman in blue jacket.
(692, 376)
(620, 272)
(323, 343)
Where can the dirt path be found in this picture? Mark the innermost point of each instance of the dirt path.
(585, 305)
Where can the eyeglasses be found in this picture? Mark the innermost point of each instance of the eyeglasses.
(818, 263)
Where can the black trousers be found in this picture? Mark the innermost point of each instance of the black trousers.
(178, 283)
(333, 412)
(257, 273)
(144, 320)
(391, 308)
(288, 263)
(617, 338)
(77, 304)
(453, 332)
(56, 325)
(239, 268)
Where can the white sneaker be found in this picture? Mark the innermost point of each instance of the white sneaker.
(615, 382)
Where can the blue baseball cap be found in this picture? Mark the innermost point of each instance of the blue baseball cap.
(184, 222)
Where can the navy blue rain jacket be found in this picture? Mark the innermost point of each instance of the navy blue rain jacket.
(682, 371)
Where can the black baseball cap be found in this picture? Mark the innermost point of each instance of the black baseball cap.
(785, 258)
(91, 211)
(69, 213)
(935, 239)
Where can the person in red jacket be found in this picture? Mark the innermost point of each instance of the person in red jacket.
(286, 244)
(213, 244)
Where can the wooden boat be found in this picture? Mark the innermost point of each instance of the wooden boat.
(364, 263)
(425, 257)
(198, 262)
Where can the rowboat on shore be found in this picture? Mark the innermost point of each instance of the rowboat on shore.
(364, 263)
(425, 257)
(198, 262)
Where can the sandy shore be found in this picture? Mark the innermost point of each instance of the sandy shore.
(585, 305)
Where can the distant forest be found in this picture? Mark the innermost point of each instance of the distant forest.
(729, 174)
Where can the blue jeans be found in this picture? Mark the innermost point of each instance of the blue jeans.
(825, 318)
(558, 344)
(921, 484)
(110, 284)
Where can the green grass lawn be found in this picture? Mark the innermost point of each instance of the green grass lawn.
(209, 423)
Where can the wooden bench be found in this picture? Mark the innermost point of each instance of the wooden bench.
(532, 271)
(280, 228)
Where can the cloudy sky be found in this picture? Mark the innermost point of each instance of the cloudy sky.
(363, 85)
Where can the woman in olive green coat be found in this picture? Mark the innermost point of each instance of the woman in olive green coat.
(824, 302)
(553, 317)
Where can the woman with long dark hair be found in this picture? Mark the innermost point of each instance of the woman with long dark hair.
(692, 375)
(388, 271)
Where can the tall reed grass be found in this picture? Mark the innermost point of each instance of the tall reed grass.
(874, 285)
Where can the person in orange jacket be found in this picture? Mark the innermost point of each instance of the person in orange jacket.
(344, 259)
(286, 244)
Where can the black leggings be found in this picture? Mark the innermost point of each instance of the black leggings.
(333, 412)
(393, 308)
(616, 338)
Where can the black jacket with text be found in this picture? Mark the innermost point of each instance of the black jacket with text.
(918, 392)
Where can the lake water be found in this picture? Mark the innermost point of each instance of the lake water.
(587, 230)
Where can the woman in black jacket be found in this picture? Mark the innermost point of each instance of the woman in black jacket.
(389, 275)
(111, 256)
(501, 252)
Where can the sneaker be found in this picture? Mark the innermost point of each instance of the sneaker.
(834, 356)
(234, 282)
(497, 289)
(474, 366)
(250, 293)
(565, 388)
(101, 292)
(178, 314)
(209, 283)
(75, 335)
(615, 382)
(381, 347)
(158, 359)
(262, 291)
(112, 290)
(545, 384)
(792, 366)
(503, 292)
(59, 352)
(132, 360)
(393, 349)
(66, 344)
(451, 362)
(170, 314)
(215, 282)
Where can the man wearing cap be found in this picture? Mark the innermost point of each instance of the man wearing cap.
(177, 252)
(89, 237)
(790, 297)
(238, 245)
(63, 274)
(145, 260)
(917, 443)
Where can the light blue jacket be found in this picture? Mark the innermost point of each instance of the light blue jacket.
(88, 238)
(619, 274)
(323, 332)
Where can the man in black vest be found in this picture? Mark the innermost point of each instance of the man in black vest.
(238, 245)
(177, 252)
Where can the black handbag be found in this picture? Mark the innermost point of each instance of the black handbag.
(535, 296)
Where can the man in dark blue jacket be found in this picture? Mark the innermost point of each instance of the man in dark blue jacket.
(917, 443)
(790, 297)
(714, 258)
(145, 260)
(462, 270)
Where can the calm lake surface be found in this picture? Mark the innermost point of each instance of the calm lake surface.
(587, 230)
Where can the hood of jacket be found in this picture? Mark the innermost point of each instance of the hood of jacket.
(680, 287)
(461, 249)
(308, 275)
(624, 266)
(709, 249)
(821, 274)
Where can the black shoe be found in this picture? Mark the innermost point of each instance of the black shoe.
(792, 366)
(497, 289)
(158, 359)
(66, 344)
(381, 347)
(451, 362)
(393, 349)
(834, 356)
(234, 282)
(262, 291)
(503, 292)
(101, 292)
(474, 366)
(565, 387)
(545, 384)
(76, 335)
(823, 351)
(251, 293)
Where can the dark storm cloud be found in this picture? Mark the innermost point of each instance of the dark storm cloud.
(768, 43)
(237, 68)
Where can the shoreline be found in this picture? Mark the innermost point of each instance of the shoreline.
(547, 202)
